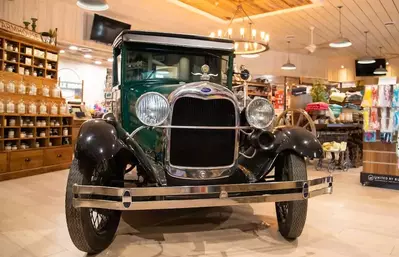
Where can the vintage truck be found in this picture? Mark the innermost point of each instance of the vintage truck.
(178, 127)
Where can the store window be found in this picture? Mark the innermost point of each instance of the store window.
(142, 65)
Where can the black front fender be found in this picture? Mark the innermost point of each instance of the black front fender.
(298, 140)
(97, 141)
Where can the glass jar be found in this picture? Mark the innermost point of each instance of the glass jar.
(63, 108)
(10, 107)
(21, 107)
(11, 87)
(46, 91)
(56, 92)
(21, 88)
(54, 109)
(65, 132)
(1, 106)
(43, 108)
(2, 86)
(32, 108)
(32, 89)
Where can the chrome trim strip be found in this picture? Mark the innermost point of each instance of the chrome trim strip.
(197, 190)
(223, 200)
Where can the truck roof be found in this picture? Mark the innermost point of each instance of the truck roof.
(174, 39)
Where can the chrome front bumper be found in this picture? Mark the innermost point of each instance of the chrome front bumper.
(222, 195)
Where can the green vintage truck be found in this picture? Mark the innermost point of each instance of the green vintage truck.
(179, 128)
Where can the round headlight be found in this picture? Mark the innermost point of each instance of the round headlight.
(260, 113)
(152, 109)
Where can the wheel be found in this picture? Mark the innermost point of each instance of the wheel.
(331, 166)
(91, 230)
(296, 118)
(291, 215)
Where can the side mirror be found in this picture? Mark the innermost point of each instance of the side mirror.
(245, 74)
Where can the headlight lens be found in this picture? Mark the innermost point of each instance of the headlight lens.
(152, 109)
(260, 113)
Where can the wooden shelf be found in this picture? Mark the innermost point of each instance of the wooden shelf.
(25, 65)
(55, 136)
(11, 139)
(37, 67)
(53, 70)
(9, 51)
(11, 127)
(27, 55)
(11, 62)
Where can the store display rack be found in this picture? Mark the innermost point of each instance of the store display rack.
(27, 57)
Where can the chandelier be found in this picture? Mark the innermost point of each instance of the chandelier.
(247, 42)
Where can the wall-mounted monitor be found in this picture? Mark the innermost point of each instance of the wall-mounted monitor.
(368, 69)
(105, 29)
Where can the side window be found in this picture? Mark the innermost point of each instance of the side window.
(117, 68)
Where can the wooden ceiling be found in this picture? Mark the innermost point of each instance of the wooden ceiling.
(225, 9)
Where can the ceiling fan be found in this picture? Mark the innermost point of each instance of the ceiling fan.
(311, 48)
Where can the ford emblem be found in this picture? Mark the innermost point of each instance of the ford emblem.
(206, 90)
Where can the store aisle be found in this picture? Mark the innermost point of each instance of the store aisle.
(354, 221)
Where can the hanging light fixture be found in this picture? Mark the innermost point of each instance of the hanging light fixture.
(93, 5)
(248, 42)
(288, 65)
(341, 41)
(366, 59)
(380, 70)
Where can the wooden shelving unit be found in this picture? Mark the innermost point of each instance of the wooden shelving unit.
(27, 57)
(29, 61)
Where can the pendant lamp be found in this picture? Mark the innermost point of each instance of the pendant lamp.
(93, 5)
(366, 59)
(341, 41)
(288, 65)
(380, 70)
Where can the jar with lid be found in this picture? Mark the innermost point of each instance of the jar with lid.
(1, 106)
(56, 92)
(43, 108)
(32, 89)
(10, 107)
(32, 108)
(37, 144)
(2, 86)
(42, 134)
(11, 87)
(22, 88)
(54, 109)
(8, 147)
(14, 147)
(21, 107)
(65, 132)
(11, 133)
(46, 91)
(23, 134)
(63, 108)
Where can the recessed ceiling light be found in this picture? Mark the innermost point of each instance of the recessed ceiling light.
(387, 63)
(342, 66)
(87, 56)
(98, 62)
(73, 48)
(110, 59)
(62, 51)
(93, 5)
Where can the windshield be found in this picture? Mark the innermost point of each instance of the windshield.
(144, 65)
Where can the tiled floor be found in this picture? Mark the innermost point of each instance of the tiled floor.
(354, 221)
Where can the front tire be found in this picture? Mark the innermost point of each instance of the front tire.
(291, 215)
(91, 230)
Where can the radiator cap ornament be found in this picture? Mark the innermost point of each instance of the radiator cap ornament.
(205, 75)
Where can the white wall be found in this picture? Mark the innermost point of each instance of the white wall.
(270, 62)
(93, 76)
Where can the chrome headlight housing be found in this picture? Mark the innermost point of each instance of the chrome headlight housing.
(152, 109)
(260, 113)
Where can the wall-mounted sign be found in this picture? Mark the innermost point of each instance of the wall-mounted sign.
(10, 27)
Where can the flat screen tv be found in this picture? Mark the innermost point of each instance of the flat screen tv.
(368, 69)
(105, 29)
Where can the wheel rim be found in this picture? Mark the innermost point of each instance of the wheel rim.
(296, 118)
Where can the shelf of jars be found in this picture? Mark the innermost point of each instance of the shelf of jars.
(23, 131)
(30, 59)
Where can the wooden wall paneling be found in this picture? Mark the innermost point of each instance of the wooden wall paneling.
(383, 169)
